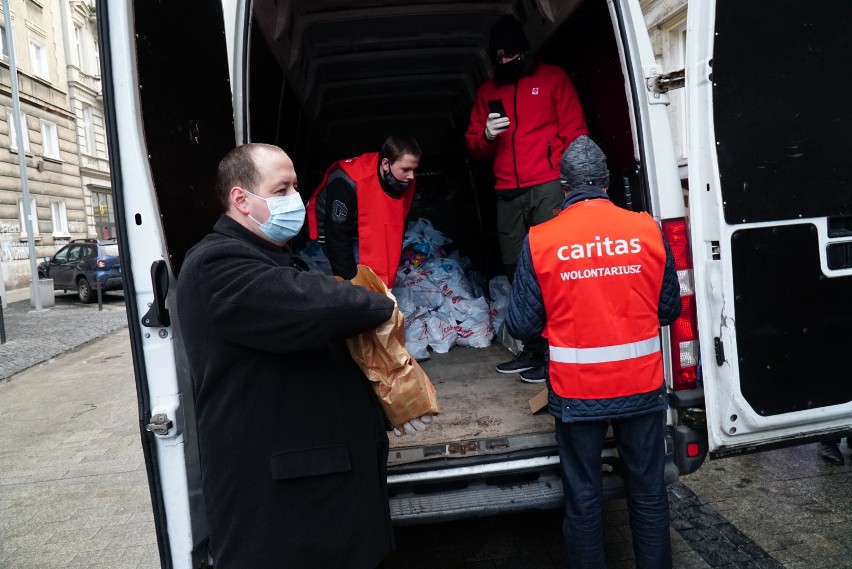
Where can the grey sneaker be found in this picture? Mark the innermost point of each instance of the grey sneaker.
(535, 375)
(522, 362)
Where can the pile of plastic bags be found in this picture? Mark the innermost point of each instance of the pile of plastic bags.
(443, 302)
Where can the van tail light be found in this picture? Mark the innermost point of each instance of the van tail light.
(684, 330)
(100, 263)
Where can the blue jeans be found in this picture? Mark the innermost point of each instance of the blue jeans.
(641, 448)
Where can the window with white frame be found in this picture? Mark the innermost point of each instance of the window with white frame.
(97, 69)
(38, 59)
(13, 133)
(33, 217)
(4, 50)
(49, 140)
(78, 47)
(87, 134)
(59, 218)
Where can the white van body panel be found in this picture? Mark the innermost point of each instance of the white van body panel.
(733, 423)
(145, 241)
(234, 13)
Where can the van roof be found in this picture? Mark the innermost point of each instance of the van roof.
(386, 65)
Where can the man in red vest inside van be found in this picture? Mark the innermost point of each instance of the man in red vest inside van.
(597, 282)
(358, 211)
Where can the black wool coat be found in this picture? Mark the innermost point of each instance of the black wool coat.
(293, 442)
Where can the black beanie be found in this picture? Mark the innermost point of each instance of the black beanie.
(507, 35)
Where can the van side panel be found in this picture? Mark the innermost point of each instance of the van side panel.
(781, 105)
(794, 326)
(771, 218)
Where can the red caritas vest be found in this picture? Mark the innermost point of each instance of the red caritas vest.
(381, 218)
(600, 269)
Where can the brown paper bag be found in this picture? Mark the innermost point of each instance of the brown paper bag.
(403, 388)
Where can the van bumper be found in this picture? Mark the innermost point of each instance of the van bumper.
(496, 488)
(690, 432)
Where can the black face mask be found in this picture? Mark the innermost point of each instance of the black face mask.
(394, 184)
(510, 71)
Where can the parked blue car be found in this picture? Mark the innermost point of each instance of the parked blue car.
(83, 265)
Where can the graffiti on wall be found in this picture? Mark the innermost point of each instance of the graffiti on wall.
(5, 246)
(77, 227)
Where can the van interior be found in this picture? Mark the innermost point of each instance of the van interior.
(330, 79)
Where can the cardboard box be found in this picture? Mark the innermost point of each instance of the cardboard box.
(539, 401)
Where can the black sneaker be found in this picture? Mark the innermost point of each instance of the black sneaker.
(535, 375)
(522, 362)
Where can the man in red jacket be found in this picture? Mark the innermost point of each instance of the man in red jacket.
(541, 116)
(358, 211)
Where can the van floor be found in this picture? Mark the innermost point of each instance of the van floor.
(476, 401)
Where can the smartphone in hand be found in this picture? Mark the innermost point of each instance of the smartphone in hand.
(496, 106)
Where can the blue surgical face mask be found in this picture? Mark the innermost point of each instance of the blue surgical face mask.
(286, 217)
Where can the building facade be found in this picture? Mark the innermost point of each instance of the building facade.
(64, 139)
(666, 23)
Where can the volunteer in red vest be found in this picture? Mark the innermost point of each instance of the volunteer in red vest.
(598, 282)
(542, 116)
(358, 211)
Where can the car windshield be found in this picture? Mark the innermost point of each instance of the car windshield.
(111, 250)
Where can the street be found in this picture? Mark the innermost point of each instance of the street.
(73, 487)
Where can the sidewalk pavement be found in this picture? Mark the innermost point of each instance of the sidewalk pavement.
(73, 485)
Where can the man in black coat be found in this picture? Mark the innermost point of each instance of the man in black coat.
(293, 441)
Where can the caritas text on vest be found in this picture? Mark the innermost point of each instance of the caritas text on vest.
(598, 248)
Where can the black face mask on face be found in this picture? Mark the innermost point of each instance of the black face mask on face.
(510, 71)
(393, 183)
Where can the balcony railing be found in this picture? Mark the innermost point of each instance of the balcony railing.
(76, 75)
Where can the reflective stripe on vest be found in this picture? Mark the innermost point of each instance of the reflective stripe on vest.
(605, 354)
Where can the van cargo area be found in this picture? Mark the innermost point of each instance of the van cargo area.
(337, 81)
(326, 80)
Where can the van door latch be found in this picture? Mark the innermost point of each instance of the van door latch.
(665, 82)
(720, 350)
(160, 424)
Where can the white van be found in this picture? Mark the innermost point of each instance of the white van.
(757, 359)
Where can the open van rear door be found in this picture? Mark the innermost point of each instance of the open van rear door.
(770, 196)
(170, 121)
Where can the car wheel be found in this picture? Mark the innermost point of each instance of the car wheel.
(84, 291)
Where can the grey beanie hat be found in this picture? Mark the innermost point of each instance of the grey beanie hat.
(583, 164)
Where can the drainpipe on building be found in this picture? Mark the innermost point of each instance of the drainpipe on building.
(35, 290)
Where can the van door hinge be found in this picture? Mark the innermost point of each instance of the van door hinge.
(160, 424)
(665, 82)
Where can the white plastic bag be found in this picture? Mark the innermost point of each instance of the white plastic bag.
(416, 337)
(442, 331)
(422, 291)
(498, 289)
(475, 329)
